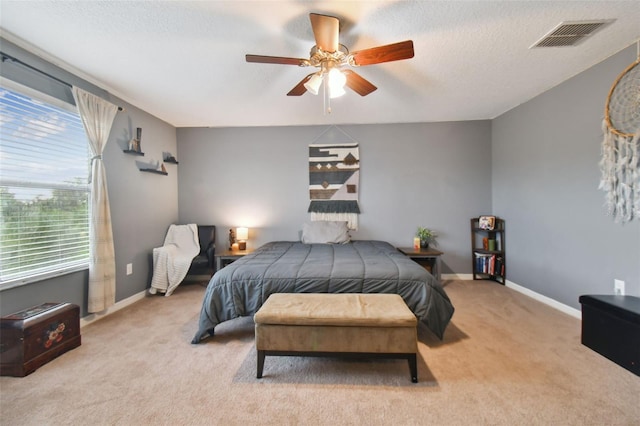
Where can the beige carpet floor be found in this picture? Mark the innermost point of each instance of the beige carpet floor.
(506, 360)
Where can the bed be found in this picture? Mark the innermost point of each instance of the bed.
(241, 288)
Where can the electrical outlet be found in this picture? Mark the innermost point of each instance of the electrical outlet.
(129, 268)
(618, 287)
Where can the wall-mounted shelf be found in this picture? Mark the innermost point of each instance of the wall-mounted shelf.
(170, 161)
(158, 172)
(147, 169)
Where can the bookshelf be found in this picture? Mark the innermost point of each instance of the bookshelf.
(488, 253)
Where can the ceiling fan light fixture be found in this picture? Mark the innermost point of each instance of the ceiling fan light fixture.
(336, 80)
(336, 92)
(332, 59)
(313, 85)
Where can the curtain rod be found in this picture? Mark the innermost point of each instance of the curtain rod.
(6, 57)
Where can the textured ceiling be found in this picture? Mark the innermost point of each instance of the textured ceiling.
(184, 61)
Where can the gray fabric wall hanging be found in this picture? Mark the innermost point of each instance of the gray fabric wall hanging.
(334, 174)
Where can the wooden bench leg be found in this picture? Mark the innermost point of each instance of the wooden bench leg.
(260, 363)
(413, 368)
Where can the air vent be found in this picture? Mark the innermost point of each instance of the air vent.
(570, 33)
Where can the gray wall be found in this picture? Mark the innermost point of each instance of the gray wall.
(560, 241)
(436, 175)
(143, 205)
(536, 166)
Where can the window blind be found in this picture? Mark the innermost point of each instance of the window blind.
(44, 195)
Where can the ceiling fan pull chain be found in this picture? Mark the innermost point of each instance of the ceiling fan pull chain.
(325, 97)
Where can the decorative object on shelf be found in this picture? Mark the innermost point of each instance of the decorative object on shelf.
(242, 235)
(487, 249)
(426, 236)
(168, 158)
(620, 163)
(232, 238)
(139, 138)
(134, 143)
(487, 222)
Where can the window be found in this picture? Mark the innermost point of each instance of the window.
(44, 195)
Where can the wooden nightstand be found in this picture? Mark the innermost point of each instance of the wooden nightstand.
(226, 257)
(426, 257)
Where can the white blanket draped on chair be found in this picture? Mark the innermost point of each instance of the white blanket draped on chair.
(172, 261)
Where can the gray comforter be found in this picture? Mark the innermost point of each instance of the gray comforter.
(241, 288)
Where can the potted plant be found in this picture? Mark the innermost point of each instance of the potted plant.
(427, 236)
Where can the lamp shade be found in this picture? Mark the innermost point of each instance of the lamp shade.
(242, 234)
(336, 92)
(313, 85)
(337, 80)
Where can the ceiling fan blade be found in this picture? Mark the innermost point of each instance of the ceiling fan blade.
(325, 30)
(299, 89)
(388, 53)
(358, 84)
(276, 60)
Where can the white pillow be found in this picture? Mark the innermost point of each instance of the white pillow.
(325, 232)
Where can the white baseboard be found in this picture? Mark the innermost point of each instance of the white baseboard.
(532, 294)
(91, 318)
(463, 277)
(576, 313)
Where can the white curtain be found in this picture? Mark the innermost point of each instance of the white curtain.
(97, 117)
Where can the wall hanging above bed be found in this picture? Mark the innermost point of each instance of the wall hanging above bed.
(334, 174)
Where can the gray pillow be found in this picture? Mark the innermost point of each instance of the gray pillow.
(325, 232)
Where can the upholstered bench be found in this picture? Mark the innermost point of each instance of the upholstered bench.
(611, 327)
(351, 325)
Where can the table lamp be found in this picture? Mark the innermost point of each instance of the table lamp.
(242, 235)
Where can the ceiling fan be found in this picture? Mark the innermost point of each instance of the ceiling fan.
(333, 58)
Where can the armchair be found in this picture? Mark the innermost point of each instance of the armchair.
(203, 263)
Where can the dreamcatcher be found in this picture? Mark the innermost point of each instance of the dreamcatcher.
(621, 147)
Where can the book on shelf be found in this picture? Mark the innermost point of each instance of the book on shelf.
(489, 264)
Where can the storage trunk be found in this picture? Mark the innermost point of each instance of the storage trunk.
(611, 327)
(31, 338)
